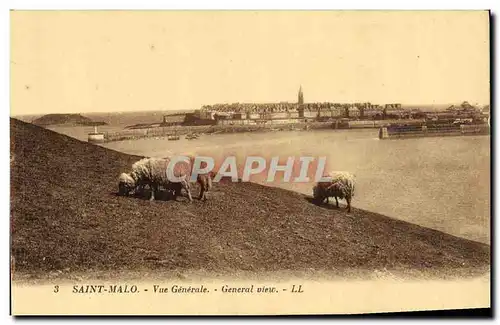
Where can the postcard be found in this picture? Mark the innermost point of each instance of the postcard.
(273, 162)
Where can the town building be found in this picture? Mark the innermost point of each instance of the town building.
(285, 112)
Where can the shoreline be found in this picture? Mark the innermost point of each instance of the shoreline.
(170, 131)
(134, 134)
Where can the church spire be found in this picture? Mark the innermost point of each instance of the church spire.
(301, 96)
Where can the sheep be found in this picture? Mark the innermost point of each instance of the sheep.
(205, 181)
(340, 186)
(126, 184)
(153, 172)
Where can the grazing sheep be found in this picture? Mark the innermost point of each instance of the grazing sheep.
(205, 181)
(153, 172)
(126, 184)
(341, 186)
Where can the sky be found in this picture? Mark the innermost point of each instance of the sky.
(105, 61)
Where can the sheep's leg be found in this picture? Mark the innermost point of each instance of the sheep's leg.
(337, 201)
(202, 188)
(154, 188)
(121, 190)
(205, 194)
(202, 193)
(348, 204)
(139, 189)
(176, 192)
(185, 185)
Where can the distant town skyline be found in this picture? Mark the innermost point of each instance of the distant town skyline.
(105, 61)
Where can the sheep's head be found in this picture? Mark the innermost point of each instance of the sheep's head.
(317, 193)
(125, 184)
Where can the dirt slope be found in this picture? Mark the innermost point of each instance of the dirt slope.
(65, 215)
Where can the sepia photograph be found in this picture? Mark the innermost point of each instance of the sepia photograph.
(250, 162)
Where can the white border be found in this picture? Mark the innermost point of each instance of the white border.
(186, 4)
(255, 4)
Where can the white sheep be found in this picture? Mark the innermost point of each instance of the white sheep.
(153, 172)
(340, 186)
(126, 184)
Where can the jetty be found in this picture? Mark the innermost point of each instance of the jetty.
(416, 131)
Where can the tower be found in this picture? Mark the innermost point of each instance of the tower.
(301, 96)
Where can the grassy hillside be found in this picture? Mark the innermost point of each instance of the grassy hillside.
(65, 215)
